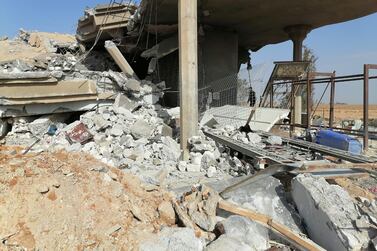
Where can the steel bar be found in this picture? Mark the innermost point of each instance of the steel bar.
(308, 100)
(326, 80)
(250, 151)
(354, 158)
(366, 106)
(332, 100)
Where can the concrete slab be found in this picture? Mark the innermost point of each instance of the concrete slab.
(263, 119)
(328, 213)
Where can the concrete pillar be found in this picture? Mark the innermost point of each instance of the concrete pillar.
(298, 110)
(188, 71)
(297, 33)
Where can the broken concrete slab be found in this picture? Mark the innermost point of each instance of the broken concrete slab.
(329, 214)
(227, 243)
(246, 231)
(124, 102)
(173, 239)
(240, 233)
(263, 119)
(267, 196)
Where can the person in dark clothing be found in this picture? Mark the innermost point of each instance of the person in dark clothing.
(252, 98)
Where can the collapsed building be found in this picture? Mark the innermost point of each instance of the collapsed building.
(95, 111)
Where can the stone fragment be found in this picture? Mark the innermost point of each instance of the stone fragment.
(42, 189)
(39, 126)
(275, 140)
(183, 239)
(167, 213)
(182, 165)
(133, 85)
(193, 168)
(254, 138)
(267, 196)
(165, 130)
(246, 231)
(116, 131)
(113, 229)
(227, 243)
(122, 101)
(141, 129)
(171, 150)
(196, 158)
(211, 171)
(329, 214)
(151, 99)
(208, 160)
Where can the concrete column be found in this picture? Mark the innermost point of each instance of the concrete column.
(297, 33)
(188, 71)
(298, 109)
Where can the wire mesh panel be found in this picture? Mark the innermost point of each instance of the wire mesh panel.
(234, 89)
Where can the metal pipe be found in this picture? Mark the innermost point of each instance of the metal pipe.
(365, 106)
(326, 80)
(308, 101)
(332, 101)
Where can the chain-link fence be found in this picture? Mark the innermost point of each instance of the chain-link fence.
(235, 89)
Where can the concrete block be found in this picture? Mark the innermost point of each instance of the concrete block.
(227, 243)
(173, 239)
(124, 102)
(329, 214)
(246, 231)
(267, 196)
(141, 129)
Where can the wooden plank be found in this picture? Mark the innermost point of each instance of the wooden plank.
(283, 231)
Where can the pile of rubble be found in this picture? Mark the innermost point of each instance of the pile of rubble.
(85, 129)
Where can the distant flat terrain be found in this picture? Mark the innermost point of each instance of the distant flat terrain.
(345, 111)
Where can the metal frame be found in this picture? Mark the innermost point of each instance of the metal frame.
(332, 80)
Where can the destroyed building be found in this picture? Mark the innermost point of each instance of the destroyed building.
(99, 151)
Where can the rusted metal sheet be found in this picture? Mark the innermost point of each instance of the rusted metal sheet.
(79, 134)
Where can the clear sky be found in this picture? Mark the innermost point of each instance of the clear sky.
(342, 47)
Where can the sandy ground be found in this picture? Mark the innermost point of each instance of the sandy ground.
(69, 201)
(346, 111)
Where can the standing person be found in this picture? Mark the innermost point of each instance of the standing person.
(252, 98)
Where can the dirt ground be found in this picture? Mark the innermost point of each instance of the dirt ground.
(346, 111)
(70, 201)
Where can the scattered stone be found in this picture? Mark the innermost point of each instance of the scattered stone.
(182, 165)
(211, 171)
(193, 168)
(116, 131)
(254, 138)
(167, 213)
(247, 232)
(113, 229)
(122, 101)
(43, 189)
(275, 140)
(141, 129)
(227, 243)
(133, 85)
(173, 239)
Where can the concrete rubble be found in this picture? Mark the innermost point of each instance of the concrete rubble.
(331, 217)
(72, 121)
